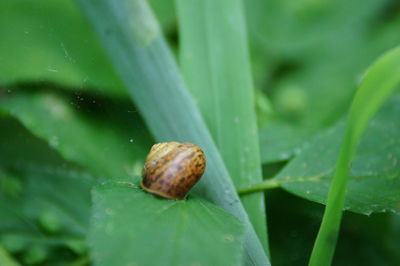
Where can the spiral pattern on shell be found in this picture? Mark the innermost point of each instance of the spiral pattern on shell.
(172, 169)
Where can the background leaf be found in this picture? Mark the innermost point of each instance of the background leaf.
(309, 57)
(216, 67)
(282, 141)
(130, 226)
(52, 42)
(110, 141)
(374, 184)
(38, 221)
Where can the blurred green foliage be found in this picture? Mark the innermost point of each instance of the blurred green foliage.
(307, 57)
(51, 41)
(375, 172)
(363, 240)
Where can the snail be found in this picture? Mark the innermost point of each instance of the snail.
(172, 169)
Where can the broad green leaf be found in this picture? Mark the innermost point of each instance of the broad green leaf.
(216, 67)
(380, 80)
(44, 201)
(282, 141)
(109, 142)
(131, 227)
(52, 42)
(374, 184)
(133, 40)
(56, 198)
(20, 147)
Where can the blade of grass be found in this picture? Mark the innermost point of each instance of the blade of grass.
(379, 82)
(216, 67)
(136, 47)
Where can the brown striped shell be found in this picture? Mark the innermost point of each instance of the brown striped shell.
(172, 169)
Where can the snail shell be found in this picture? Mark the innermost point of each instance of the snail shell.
(172, 169)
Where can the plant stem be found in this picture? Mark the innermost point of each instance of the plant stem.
(266, 184)
(324, 246)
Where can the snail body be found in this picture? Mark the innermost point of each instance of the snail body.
(172, 169)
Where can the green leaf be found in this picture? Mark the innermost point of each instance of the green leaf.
(52, 42)
(111, 143)
(374, 184)
(282, 141)
(380, 80)
(132, 38)
(46, 192)
(20, 147)
(44, 200)
(131, 227)
(216, 67)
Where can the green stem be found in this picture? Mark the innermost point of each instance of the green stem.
(324, 246)
(266, 184)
